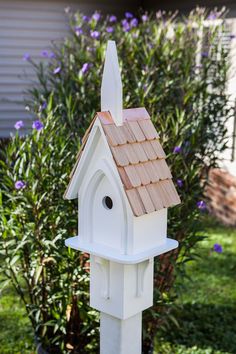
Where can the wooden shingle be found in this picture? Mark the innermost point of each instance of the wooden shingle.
(134, 114)
(119, 155)
(133, 176)
(152, 172)
(140, 152)
(131, 154)
(161, 169)
(136, 130)
(143, 175)
(146, 199)
(158, 149)
(110, 131)
(155, 195)
(148, 129)
(125, 178)
(135, 202)
(130, 138)
(150, 152)
(105, 118)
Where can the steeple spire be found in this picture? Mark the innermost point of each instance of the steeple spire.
(111, 89)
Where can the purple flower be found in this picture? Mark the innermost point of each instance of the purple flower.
(110, 29)
(57, 70)
(126, 25)
(20, 185)
(95, 34)
(26, 57)
(96, 16)
(112, 18)
(204, 54)
(19, 124)
(201, 205)
(180, 183)
(177, 150)
(217, 248)
(43, 106)
(144, 18)
(129, 15)
(52, 55)
(232, 36)
(145, 87)
(45, 54)
(37, 125)
(134, 22)
(78, 31)
(212, 16)
(85, 18)
(85, 68)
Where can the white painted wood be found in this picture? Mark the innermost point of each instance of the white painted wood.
(111, 89)
(150, 231)
(120, 336)
(128, 288)
(77, 243)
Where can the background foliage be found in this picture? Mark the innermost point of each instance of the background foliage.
(180, 79)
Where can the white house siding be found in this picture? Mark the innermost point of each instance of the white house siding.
(29, 27)
(229, 156)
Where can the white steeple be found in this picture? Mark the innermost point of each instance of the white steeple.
(111, 89)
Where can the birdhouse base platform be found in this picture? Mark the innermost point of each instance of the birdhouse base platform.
(109, 253)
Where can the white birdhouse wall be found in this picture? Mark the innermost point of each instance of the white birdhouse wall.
(150, 230)
(104, 205)
(104, 215)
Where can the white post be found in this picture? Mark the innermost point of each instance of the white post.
(120, 292)
(120, 336)
(111, 90)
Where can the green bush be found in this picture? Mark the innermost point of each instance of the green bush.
(186, 99)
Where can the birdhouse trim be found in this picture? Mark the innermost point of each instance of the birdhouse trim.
(139, 159)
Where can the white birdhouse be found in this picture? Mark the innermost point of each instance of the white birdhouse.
(124, 187)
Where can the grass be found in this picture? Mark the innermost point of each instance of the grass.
(16, 336)
(206, 310)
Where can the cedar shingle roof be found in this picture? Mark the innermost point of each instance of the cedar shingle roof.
(140, 161)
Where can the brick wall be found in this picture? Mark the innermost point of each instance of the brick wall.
(221, 192)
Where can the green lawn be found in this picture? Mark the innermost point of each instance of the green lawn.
(207, 307)
(206, 312)
(16, 336)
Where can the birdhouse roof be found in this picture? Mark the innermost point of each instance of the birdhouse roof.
(140, 160)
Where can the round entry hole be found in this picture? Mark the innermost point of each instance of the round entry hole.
(107, 202)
